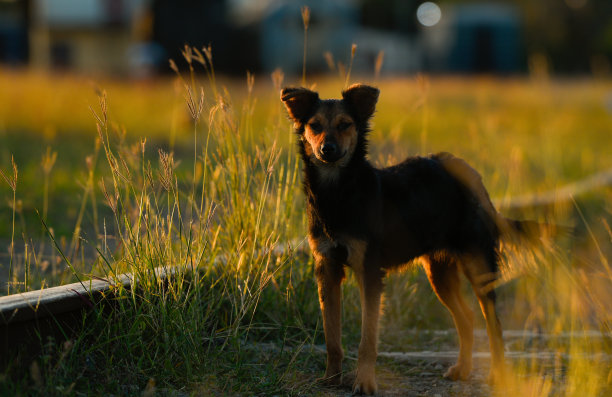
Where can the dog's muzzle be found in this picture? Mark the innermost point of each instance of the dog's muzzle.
(330, 152)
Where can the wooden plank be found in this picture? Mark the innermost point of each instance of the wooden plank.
(53, 301)
(28, 319)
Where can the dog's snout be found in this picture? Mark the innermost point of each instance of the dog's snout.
(329, 149)
(330, 152)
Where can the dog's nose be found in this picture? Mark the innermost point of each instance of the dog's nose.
(329, 149)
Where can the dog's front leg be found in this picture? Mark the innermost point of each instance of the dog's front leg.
(329, 277)
(371, 287)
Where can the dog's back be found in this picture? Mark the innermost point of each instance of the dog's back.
(426, 209)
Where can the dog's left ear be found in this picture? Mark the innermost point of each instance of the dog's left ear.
(300, 102)
(361, 100)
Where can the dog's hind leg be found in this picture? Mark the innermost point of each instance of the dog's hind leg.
(477, 268)
(443, 274)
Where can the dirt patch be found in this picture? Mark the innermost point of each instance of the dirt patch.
(542, 361)
(418, 378)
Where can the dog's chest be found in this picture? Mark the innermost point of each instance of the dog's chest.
(344, 251)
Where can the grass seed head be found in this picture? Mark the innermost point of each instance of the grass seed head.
(329, 59)
(378, 64)
(166, 172)
(306, 16)
(197, 55)
(187, 54)
(110, 200)
(12, 182)
(277, 79)
(208, 53)
(173, 66)
(250, 82)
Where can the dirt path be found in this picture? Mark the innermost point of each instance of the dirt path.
(419, 378)
(420, 373)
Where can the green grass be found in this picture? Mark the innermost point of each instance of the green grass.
(215, 193)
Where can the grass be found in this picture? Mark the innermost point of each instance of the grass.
(200, 173)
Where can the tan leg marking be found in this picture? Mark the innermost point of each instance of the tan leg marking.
(329, 279)
(370, 292)
(477, 271)
(443, 274)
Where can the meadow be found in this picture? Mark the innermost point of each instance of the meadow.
(199, 173)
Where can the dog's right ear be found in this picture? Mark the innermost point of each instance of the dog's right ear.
(300, 102)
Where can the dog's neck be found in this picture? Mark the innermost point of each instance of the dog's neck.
(328, 175)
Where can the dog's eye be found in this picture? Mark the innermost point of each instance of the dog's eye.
(316, 127)
(344, 125)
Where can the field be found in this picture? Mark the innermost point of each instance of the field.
(199, 173)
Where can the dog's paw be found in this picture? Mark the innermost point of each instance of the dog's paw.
(497, 376)
(458, 372)
(365, 382)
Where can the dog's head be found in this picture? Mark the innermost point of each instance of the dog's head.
(331, 129)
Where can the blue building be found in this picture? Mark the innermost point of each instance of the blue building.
(14, 46)
(475, 38)
(333, 27)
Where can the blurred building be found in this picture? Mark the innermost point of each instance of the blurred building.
(14, 45)
(130, 37)
(475, 38)
(137, 37)
(83, 35)
(334, 26)
(202, 24)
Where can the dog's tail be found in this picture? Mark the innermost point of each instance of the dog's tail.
(530, 231)
(510, 230)
(519, 231)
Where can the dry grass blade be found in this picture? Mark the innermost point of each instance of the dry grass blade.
(348, 73)
(277, 79)
(306, 22)
(378, 64)
(329, 59)
(48, 161)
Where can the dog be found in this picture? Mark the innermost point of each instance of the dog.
(372, 220)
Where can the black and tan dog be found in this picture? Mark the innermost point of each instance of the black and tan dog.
(375, 220)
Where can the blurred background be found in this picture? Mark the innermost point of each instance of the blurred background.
(95, 124)
(135, 38)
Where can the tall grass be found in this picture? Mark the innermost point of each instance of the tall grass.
(12, 182)
(226, 231)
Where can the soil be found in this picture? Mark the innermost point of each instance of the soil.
(420, 373)
(419, 378)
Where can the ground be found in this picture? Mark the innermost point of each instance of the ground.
(537, 369)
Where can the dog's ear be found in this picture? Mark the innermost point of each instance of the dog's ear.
(300, 102)
(361, 100)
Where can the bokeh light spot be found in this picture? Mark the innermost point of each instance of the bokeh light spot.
(429, 14)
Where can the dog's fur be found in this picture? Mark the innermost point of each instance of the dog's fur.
(375, 220)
